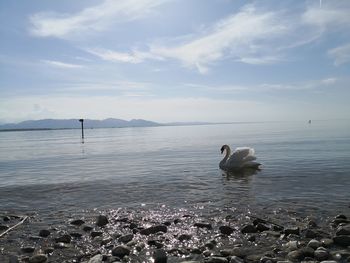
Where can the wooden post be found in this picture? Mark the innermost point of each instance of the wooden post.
(82, 128)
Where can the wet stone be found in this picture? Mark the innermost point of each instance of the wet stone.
(64, 239)
(154, 230)
(310, 233)
(27, 249)
(39, 258)
(294, 231)
(96, 259)
(226, 230)
(314, 243)
(216, 260)
(203, 225)
(248, 229)
(49, 250)
(75, 234)
(184, 237)
(126, 238)
(321, 254)
(343, 230)
(77, 222)
(327, 242)
(236, 259)
(121, 251)
(342, 240)
(160, 256)
(155, 243)
(101, 220)
(262, 227)
(61, 245)
(87, 228)
(44, 233)
(96, 234)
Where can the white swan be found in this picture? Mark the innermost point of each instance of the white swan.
(242, 157)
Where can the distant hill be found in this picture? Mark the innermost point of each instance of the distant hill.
(75, 124)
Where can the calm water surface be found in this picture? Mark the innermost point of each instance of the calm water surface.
(306, 167)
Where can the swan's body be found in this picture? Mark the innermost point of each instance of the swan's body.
(241, 158)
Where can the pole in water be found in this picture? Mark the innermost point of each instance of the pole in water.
(82, 128)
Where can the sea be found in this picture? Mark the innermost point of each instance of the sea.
(305, 167)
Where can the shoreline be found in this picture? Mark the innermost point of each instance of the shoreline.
(176, 235)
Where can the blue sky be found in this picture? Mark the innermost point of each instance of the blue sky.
(175, 60)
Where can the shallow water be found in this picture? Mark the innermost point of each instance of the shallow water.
(306, 167)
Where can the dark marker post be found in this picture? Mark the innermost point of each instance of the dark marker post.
(82, 128)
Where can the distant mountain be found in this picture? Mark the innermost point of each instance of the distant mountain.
(75, 124)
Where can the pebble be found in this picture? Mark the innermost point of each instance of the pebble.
(342, 240)
(184, 237)
(61, 245)
(160, 256)
(294, 231)
(64, 238)
(39, 258)
(248, 229)
(203, 225)
(77, 222)
(96, 234)
(327, 242)
(126, 238)
(28, 249)
(215, 260)
(321, 254)
(292, 245)
(44, 233)
(75, 234)
(49, 250)
(226, 230)
(101, 220)
(262, 227)
(310, 233)
(236, 259)
(154, 230)
(87, 228)
(314, 244)
(121, 251)
(343, 231)
(96, 259)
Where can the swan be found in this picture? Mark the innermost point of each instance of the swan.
(241, 158)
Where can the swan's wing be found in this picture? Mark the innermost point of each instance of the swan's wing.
(241, 155)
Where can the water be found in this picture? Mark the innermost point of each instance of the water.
(305, 167)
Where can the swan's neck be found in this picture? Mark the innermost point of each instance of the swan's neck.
(222, 164)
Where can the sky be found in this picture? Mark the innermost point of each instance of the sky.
(175, 60)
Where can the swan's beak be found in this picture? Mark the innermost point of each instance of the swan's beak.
(222, 150)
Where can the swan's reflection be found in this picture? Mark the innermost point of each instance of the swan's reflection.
(242, 174)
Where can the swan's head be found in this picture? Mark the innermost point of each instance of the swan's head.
(223, 148)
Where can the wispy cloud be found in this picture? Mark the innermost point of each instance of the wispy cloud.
(341, 54)
(133, 57)
(96, 18)
(63, 65)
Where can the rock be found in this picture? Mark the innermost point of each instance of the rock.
(167, 223)
(226, 252)
(292, 245)
(126, 238)
(321, 254)
(215, 260)
(310, 233)
(6, 218)
(343, 231)
(266, 259)
(342, 240)
(301, 253)
(154, 229)
(160, 256)
(87, 228)
(252, 238)
(203, 225)
(121, 251)
(327, 242)
(96, 234)
(236, 259)
(49, 250)
(184, 237)
(262, 227)
(340, 216)
(248, 229)
(61, 245)
(226, 230)
(239, 252)
(314, 244)
(64, 239)
(155, 243)
(39, 258)
(77, 222)
(3, 227)
(312, 223)
(27, 249)
(44, 233)
(75, 234)
(35, 238)
(96, 259)
(101, 220)
(133, 225)
(294, 230)
(13, 259)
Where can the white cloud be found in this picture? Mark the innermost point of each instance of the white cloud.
(341, 54)
(96, 18)
(63, 65)
(133, 57)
